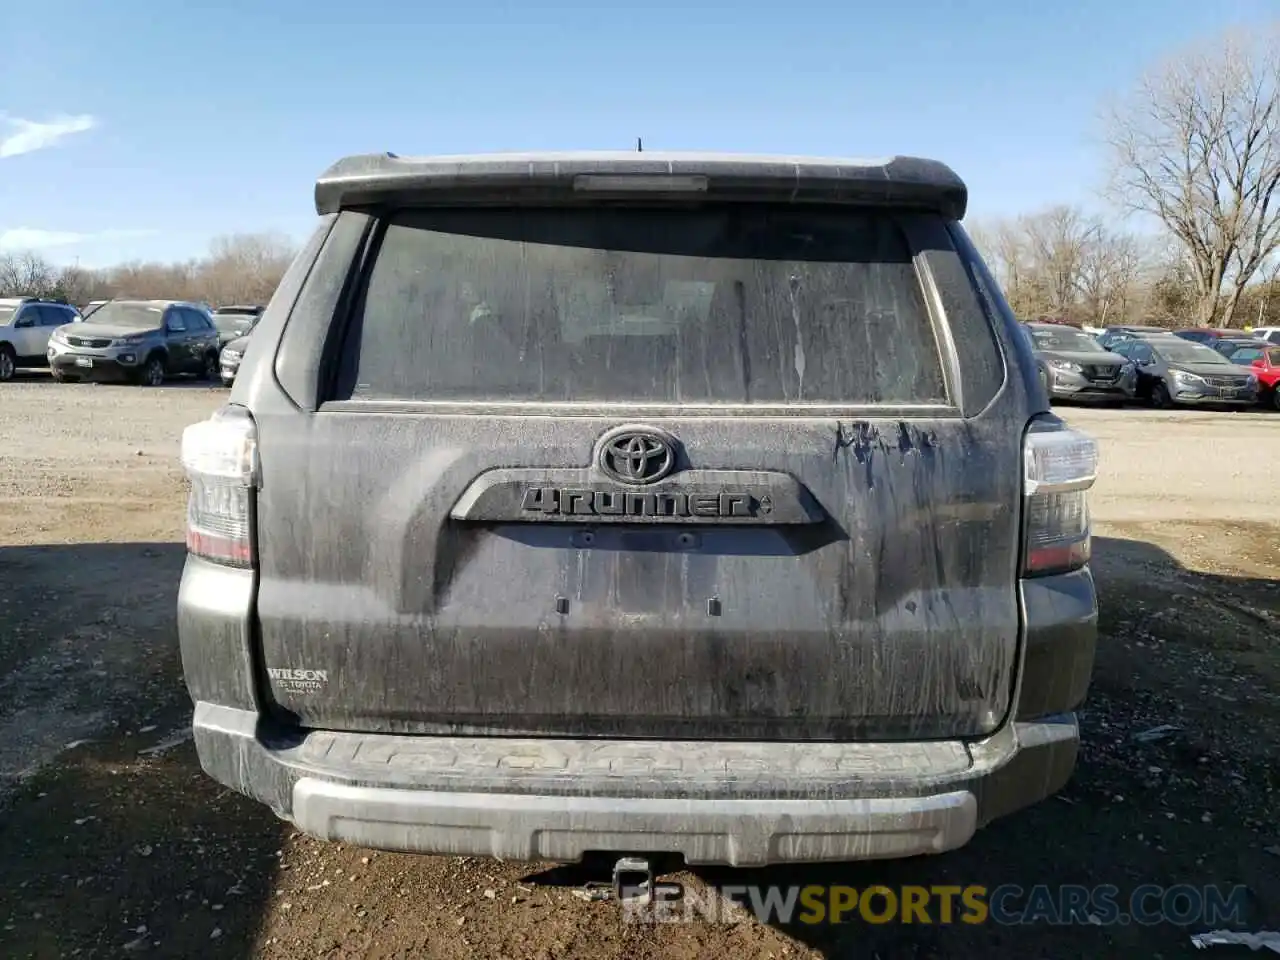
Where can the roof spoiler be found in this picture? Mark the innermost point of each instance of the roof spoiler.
(381, 179)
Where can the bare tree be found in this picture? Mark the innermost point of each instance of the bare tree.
(1063, 262)
(1197, 145)
(1172, 294)
(1110, 270)
(240, 269)
(26, 274)
(1058, 242)
(245, 268)
(1003, 246)
(1268, 293)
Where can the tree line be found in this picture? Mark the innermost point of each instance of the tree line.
(1065, 264)
(1193, 150)
(240, 268)
(1192, 157)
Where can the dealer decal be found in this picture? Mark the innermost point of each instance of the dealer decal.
(295, 680)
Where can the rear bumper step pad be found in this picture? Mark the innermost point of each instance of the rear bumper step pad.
(741, 804)
(736, 832)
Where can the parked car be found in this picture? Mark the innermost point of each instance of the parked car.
(1113, 335)
(1072, 365)
(1269, 334)
(1208, 335)
(229, 359)
(26, 323)
(1228, 345)
(560, 552)
(1263, 362)
(1173, 371)
(234, 322)
(144, 341)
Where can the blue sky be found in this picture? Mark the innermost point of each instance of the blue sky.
(143, 129)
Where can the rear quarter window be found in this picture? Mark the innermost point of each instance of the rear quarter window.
(741, 305)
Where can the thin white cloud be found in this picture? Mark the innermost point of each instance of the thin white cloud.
(28, 238)
(28, 136)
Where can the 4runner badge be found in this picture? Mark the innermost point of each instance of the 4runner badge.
(580, 502)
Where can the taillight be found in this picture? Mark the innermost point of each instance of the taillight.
(220, 457)
(1059, 467)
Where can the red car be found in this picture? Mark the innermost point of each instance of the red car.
(1264, 362)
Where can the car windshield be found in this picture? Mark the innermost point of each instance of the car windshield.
(141, 315)
(1246, 355)
(234, 324)
(741, 305)
(1176, 350)
(1067, 339)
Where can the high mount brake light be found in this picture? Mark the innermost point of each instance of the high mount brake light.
(639, 183)
(1060, 465)
(220, 457)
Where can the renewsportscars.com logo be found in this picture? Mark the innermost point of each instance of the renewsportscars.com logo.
(1005, 905)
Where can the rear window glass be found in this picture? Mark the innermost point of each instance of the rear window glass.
(732, 305)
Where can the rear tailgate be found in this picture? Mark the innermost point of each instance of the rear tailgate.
(649, 471)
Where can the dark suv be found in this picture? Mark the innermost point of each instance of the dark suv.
(1113, 335)
(638, 502)
(143, 341)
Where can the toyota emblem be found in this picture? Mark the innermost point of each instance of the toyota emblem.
(637, 455)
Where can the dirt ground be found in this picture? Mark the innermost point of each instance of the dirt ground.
(113, 843)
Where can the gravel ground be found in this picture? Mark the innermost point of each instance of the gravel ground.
(112, 842)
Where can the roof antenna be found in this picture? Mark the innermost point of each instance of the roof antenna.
(639, 145)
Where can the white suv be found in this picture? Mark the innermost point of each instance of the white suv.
(26, 323)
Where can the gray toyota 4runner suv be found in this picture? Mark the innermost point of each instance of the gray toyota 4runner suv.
(638, 503)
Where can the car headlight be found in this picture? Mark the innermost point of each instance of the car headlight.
(1068, 365)
(231, 355)
(1126, 368)
(58, 337)
(131, 341)
(1253, 381)
(1183, 377)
